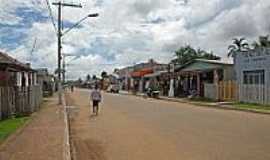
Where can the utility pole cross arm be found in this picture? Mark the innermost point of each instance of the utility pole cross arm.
(67, 5)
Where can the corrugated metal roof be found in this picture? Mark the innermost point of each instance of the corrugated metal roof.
(215, 61)
(6, 59)
(202, 65)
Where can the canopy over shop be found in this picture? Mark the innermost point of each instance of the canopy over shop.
(190, 79)
(137, 78)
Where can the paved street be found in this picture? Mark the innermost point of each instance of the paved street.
(133, 128)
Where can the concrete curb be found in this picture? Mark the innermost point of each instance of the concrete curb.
(67, 148)
(200, 104)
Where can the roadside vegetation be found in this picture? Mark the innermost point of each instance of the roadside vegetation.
(236, 105)
(9, 126)
(252, 106)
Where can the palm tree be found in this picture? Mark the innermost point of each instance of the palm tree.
(104, 74)
(238, 45)
(88, 78)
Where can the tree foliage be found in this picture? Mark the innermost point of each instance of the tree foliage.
(80, 80)
(187, 53)
(94, 77)
(88, 77)
(104, 74)
(263, 42)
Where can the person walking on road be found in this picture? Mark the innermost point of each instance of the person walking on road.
(96, 99)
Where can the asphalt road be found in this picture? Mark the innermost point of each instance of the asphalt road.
(133, 128)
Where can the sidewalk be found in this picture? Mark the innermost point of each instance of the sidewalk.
(218, 105)
(41, 139)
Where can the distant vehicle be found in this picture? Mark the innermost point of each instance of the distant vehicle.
(152, 93)
(113, 88)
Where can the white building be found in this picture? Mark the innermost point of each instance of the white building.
(253, 75)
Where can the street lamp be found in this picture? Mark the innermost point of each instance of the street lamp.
(80, 21)
(93, 15)
(60, 35)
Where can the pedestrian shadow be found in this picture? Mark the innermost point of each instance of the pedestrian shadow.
(93, 116)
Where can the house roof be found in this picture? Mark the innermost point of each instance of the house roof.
(203, 64)
(8, 60)
(215, 61)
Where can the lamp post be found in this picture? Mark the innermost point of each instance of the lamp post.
(80, 21)
(60, 35)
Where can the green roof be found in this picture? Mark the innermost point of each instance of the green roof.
(202, 65)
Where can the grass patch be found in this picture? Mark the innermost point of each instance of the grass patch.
(9, 126)
(252, 106)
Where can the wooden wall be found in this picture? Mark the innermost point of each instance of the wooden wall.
(223, 91)
(19, 100)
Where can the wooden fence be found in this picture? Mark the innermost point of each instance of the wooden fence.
(228, 91)
(19, 100)
(224, 91)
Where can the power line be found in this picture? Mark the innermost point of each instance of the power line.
(33, 49)
(51, 15)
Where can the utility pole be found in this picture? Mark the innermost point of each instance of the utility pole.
(59, 36)
(64, 68)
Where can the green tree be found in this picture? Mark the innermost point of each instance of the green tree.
(88, 77)
(104, 75)
(205, 55)
(187, 53)
(238, 45)
(263, 42)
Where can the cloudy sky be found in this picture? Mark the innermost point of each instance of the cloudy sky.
(127, 31)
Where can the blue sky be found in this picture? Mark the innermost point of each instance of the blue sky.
(128, 32)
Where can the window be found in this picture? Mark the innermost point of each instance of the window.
(254, 77)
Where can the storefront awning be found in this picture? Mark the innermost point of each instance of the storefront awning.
(142, 72)
(156, 74)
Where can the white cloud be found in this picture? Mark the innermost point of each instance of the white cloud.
(129, 31)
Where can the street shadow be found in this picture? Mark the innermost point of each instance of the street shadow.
(93, 116)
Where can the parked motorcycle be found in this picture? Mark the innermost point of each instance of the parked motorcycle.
(152, 93)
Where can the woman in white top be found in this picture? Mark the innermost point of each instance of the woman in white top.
(96, 99)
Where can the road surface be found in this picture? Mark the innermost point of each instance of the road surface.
(133, 128)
